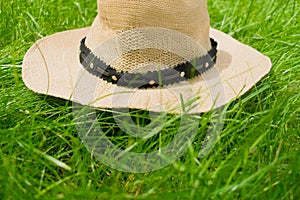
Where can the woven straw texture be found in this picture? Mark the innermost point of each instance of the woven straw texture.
(187, 17)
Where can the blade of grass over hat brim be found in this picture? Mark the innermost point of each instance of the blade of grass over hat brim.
(52, 67)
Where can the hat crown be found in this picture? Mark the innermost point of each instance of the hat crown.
(186, 16)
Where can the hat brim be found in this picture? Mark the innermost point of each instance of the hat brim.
(51, 66)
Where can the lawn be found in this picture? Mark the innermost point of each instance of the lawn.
(257, 154)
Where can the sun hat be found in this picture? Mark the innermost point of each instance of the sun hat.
(145, 54)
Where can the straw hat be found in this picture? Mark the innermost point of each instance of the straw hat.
(145, 54)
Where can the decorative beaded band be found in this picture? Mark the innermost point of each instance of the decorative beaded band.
(149, 79)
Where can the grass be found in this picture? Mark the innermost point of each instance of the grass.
(257, 155)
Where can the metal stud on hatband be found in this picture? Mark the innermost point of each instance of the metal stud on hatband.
(182, 74)
(114, 78)
(206, 64)
(151, 82)
(92, 66)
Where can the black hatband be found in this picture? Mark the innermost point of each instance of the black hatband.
(149, 79)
